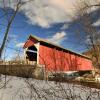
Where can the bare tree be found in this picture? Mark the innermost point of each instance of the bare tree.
(91, 34)
(10, 17)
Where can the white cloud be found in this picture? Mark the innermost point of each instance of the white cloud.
(97, 23)
(65, 26)
(44, 13)
(57, 38)
(47, 12)
(20, 44)
(8, 3)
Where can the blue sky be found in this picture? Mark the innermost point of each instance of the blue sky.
(47, 19)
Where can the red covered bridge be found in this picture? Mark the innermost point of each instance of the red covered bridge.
(54, 57)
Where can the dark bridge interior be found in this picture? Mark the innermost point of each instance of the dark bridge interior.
(31, 53)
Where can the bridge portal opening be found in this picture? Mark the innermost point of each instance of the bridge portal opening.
(31, 53)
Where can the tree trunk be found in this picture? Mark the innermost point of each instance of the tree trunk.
(4, 40)
(7, 29)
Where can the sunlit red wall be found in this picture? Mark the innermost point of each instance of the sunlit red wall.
(29, 43)
(58, 60)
